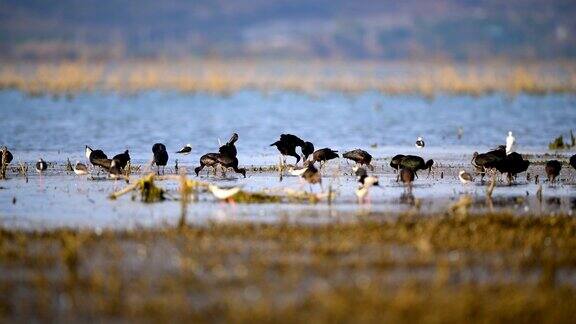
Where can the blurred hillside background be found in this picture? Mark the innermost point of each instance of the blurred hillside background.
(322, 29)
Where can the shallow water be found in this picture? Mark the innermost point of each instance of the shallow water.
(58, 128)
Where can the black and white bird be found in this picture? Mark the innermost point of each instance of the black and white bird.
(365, 183)
(465, 177)
(95, 157)
(122, 159)
(360, 157)
(115, 170)
(41, 166)
(287, 144)
(208, 160)
(324, 155)
(553, 168)
(80, 168)
(185, 150)
(160, 156)
(420, 143)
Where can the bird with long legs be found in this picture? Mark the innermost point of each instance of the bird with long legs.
(160, 156)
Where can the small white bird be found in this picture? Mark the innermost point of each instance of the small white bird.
(41, 166)
(80, 168)
(465, 177)
(510, 142)
(420, 143)
(223, 193)
(185, 150)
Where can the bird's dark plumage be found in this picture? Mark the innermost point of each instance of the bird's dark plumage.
(229, 149)
(325, 154)
(359, 156)
(573, 161)
(553, 168)
(415, 163)
(307, 149)
(231, 162)
(160, 156)
(185, 150)
(208, 159)
(8, 158)
(95, 154)
(512, 164)
(122, 159)
(488, 160)
(287, 144)
(395, 162)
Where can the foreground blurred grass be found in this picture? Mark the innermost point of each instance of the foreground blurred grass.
(223, 77)
(483, 268)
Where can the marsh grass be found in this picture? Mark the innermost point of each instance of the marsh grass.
(441, 268)
(225, 77)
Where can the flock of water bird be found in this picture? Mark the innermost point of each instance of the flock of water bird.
(503, 159)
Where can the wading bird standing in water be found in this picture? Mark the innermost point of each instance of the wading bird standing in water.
(160, 156)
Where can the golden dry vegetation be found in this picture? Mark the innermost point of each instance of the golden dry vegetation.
(224, 77)
(436, 269)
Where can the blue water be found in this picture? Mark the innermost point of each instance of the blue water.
(58, 128)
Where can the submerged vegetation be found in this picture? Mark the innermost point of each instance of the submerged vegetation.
(442, 268)
(223, 77)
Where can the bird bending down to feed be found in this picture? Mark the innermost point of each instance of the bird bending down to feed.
(365, 183)
(208, 160)
(307, 150)
(465, 177)
(287, 144)
(420, 143)
(553, 168)
(512, 164)
(95, 157)
(510, 143)
(489, 160)
(324, 155)
(185, 150)
(360, 157)
(160, 156)
(122, 159)
(41, 166)
(80, 168)
(411, 162)
(223, 193)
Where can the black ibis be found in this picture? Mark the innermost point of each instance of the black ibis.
(160, 156)
(553, 168)
(324, 155)
(360, 157)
